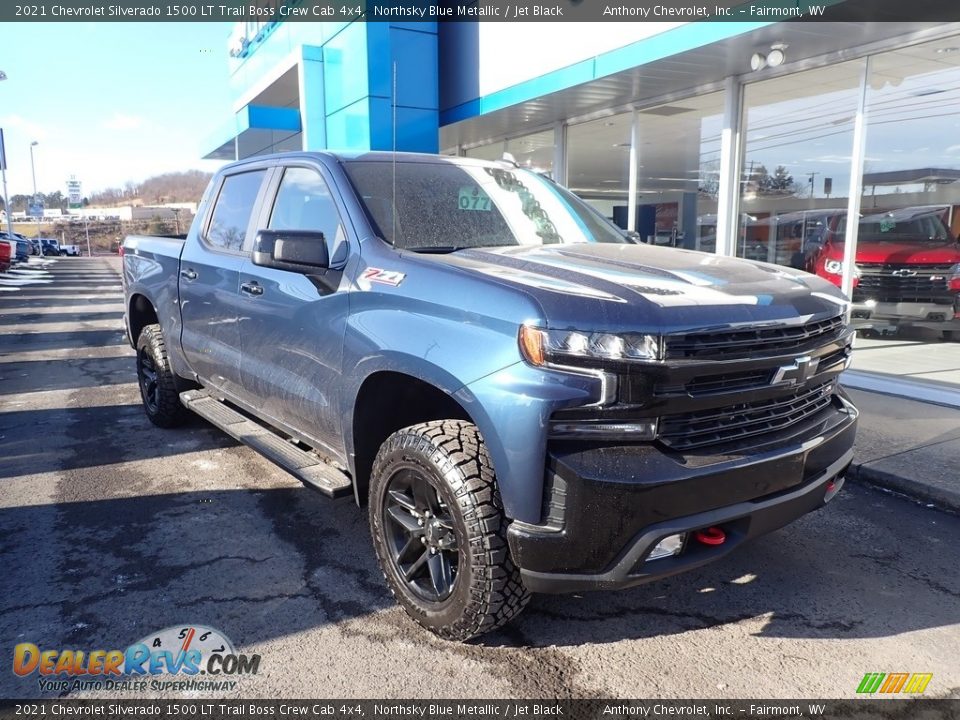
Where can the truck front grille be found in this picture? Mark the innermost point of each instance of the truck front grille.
(902, 283)
(756, 341)
(733, 423)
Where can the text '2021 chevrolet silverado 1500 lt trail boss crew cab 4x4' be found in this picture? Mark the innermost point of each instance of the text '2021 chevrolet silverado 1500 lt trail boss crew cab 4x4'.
(525, 400)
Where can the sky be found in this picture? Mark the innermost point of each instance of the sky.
(110, 102)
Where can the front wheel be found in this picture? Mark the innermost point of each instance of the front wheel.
(158, 383)
(439, 530)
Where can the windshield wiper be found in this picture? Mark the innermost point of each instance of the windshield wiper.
(439, 249)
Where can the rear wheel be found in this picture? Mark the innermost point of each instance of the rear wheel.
(158, 383)
(439, 530)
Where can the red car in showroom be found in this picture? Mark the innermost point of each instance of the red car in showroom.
(907, 266)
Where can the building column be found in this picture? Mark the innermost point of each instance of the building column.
(313, 120)
(728, 197)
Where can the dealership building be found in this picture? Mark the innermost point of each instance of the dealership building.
(740, 138)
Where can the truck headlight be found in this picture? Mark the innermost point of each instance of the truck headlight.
(835, 267)
(573, 347)
(953, 284)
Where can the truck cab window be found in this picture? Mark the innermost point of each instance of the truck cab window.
(231, 214)
(304, 203)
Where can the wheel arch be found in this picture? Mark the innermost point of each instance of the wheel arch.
(387, 401)
(140, 313)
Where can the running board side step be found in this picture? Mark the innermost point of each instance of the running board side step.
(307, 468)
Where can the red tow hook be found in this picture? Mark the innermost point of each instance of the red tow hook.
(710, 536)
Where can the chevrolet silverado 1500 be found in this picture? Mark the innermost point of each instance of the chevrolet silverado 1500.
(524, 400)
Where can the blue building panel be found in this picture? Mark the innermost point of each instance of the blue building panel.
(349, 127)
(345, 60)
(269, 118)
(416, 128)
(414, 51)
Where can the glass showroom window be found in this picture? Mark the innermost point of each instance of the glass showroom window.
(907, 263)
(534, 151)
(678, 172)
(798, 141)
(598, 162)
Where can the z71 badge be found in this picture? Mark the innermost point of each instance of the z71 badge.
(384, 277)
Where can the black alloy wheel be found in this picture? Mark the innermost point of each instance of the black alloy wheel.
(147, 374)
(440, 532)
(421, 536)
(159, 386)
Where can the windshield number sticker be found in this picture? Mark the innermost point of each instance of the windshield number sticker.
(887, 224)
(384, 277)
(473, 198)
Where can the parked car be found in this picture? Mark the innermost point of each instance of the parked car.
(50, 246)
(72, 250)
(5, 257)
(11, 241)
(524, 400)
(907, 266)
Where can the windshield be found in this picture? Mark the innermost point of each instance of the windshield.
(901, 226)
(442, 206)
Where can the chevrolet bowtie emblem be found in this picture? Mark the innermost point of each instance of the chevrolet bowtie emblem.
(802, 369)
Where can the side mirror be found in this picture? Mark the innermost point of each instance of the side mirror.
(633, 236)
(302, 251)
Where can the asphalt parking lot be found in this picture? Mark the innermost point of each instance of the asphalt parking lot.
(111, 529)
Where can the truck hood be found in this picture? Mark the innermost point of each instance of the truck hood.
(647, 288)
(901, 253)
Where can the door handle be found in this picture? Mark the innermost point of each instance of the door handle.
(188, 274)
(251, 288)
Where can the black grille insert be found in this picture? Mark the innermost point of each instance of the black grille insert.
(749, 342)
(903, 283)
(734, 423)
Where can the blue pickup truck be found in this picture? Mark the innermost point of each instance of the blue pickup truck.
(524, 399)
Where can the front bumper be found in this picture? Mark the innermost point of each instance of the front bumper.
(607, 508)
(936, 316)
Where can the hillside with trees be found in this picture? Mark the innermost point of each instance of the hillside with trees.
(187, 186)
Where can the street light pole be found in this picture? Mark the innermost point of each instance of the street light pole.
(3, 168)
(33, 173)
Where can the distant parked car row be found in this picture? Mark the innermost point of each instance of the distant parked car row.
(16, 248)
(50, 246)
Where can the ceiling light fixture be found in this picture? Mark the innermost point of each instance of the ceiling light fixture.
(774, 58)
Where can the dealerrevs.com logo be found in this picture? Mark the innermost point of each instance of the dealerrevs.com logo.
(190, 658)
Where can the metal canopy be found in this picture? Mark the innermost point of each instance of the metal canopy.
(676, 76)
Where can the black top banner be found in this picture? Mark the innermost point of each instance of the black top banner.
(482, 11)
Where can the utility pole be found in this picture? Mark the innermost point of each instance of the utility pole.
(33, 173)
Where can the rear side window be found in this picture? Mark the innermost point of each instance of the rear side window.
(231, 214)
(304, 203)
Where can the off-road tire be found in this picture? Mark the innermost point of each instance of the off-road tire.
(162, 406)
(487, 591)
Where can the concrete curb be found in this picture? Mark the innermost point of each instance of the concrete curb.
(928, 391)
(918, 490)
